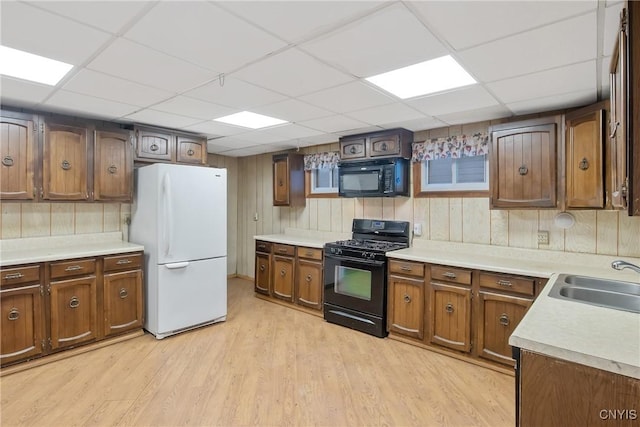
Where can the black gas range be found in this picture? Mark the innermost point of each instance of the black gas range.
(355, 274)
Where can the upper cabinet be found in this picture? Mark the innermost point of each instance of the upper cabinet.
(387, 143)
(113, 165)
(163, 145)
(523, 164)
(288, 180)
(18, 157)
(65, 163)
(584, 145)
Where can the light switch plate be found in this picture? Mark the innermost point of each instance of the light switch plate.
(543, 237)
(417, 229)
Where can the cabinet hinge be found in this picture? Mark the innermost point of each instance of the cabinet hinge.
(48, 289)
(41, 127)
(49, 343)
(44, 345)
(41, 290)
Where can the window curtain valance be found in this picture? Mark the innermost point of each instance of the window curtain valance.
(452, 146)
(328, 160)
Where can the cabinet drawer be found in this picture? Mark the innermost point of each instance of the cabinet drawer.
(406, 268)
(119, 262)
(263, 246)
(451, 274)
(310, 253)
(16, 275)
(287, 250)
(504, 282)
(72, 268)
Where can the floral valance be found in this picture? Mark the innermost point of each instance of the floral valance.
(452, 146)
(327, 160)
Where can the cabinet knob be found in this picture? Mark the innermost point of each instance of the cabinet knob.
(190, 152)
(262, 267)
(7, 161)
(352, 150)
(14, 314)
(112, 169)
(154, 147)
(123, 293)
(280, 183)
(448, 308)
(584, 164)
(523, 170)
(283, 272)
(384, 147)
(308, 278)
(65, 165)
(74, 302)
(504, 319)
(407, 298)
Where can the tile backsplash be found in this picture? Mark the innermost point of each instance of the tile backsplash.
(20, 220)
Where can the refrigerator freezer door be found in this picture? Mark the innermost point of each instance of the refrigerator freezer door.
(192, 213)
(189, 294)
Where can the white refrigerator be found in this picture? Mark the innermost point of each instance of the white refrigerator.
(180, 216)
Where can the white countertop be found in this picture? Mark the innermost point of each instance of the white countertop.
(299, 237)
(52, 248)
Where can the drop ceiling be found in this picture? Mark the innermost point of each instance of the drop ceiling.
(182, 64)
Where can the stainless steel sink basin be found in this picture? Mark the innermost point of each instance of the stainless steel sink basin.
(601, 292)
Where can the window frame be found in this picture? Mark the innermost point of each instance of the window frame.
(308, 187)
(418, 191)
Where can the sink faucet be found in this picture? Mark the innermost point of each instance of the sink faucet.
(620, 265)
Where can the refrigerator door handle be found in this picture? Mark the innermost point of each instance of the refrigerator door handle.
(176, 265)
(168, 225)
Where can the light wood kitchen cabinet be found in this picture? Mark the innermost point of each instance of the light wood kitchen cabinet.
(283, 271)
(553, 392)
(113, 166)
(288, 180)
(450, 307)
(73, 294)
(191, 150)
(373, 145)
(406, 299)
(262, 277)
(523, 164)
(65, 165)
(584, 160)
(154, 145)
(308, 284)
(18, 150)
(122, 292)
(21, 308)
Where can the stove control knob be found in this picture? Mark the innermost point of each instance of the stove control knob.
(338, 251)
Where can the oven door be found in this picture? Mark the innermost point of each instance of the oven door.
(355, 284)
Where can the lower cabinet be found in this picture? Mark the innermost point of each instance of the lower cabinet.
(308, 284)
(262, 283)
(450, 316)
(406, 299)
(52, 306)
(283, 272)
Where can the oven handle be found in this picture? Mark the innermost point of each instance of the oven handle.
(356, 260)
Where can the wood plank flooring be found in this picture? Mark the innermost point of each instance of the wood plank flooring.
(267, 365)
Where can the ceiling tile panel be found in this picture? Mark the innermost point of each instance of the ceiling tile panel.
(235, 93)
(572, 78)
(348, 97)
(296, 20)
(386, 114)
(22, 93)
(567, 100)
(416, 124)
(193, 108)
(478, 115)
(464, 99)
(292, 73)
(290, 131)
(391, 38)
(161, 118)
(36, 31)
(72, 102)
(534, 51)
(137, 63)
(333, 124)
(470, 23)
(109, 16)
(204, 34)
(292, 110)
(215, 129)
(104, 86)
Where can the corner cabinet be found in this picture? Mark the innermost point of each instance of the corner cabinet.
(523, 164)
(18, 152)
(288, 180)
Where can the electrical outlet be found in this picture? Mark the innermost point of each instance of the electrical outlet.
(417, 229)
(255, 216)
(543, 237)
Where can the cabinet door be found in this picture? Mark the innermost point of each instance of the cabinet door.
(283, 278)
(406, 306)
(191, 150)
(617, 125)
(584, 160)
(524, 167)
(498, 317)
(309, 283)
(382, 146)
(113, 166)
(352, 148)
(122, 301)
(65, 163)
(450, 316)
(280, 182)
(21, 323)
(263, 273)
(17, 152)
(155, 146)
(73, 311)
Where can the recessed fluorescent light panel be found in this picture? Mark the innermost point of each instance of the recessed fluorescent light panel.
(250, 120)
(426, 77)
(35, 68)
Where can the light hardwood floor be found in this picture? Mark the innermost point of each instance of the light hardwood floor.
(266, 365)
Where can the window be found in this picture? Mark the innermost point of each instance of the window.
(468, 174)
(321, 174)
(324, 181)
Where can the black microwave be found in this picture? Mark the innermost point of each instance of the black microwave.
(375, 178)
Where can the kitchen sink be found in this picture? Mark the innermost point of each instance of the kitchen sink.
(614, 294)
